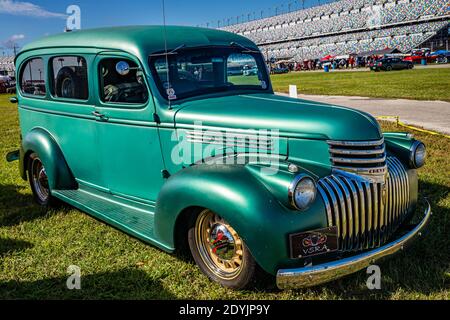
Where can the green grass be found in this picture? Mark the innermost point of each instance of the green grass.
(37, 246)
(418, 84)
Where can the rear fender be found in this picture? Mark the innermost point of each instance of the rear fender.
(41, 142)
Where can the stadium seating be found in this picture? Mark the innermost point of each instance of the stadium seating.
(7, 64)
(346, 26)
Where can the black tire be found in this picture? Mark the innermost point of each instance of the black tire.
(410, 66)
(249, 270)
(388, 68)
(70, 83)
(41, 197)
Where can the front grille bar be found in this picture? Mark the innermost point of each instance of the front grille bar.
(365, 213)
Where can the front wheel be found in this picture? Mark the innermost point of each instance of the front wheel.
(220, 252)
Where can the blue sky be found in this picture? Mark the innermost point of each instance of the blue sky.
(25, 21)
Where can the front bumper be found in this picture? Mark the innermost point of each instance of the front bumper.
(314, 275)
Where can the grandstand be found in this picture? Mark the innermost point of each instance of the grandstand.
(7, 66)
(348, 27)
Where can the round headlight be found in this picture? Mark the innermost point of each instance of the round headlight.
(302, 192)
(418, 154)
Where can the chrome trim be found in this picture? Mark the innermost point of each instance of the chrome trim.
(412, 154)
(366, 158)
(365, 211)
(292, 187)
(356, 143)
(357, 152)
(227, 139)
(358, 161)
(318, 274)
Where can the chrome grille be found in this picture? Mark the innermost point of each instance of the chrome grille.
(362, 157)
(365, 213)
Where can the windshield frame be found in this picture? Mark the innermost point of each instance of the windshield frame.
(230, 90)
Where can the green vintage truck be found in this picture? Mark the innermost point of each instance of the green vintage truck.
(159, 132)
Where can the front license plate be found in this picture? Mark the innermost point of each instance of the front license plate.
(313, 243)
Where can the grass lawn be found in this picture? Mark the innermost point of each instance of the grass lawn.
(37, 246)
(418, 84)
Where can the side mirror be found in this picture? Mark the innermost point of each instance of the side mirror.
(122, 68)
(13, 100)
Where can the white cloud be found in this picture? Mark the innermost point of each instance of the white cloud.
(20, 8)
(11, 42)
(16, 37)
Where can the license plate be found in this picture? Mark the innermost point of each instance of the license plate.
(313, 243)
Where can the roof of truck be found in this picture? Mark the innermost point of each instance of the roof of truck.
(139, 39)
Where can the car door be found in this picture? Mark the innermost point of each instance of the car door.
(129, 146)
(68, 115)
(398, 65)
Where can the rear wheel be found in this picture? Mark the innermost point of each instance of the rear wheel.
(220, 252)
(38, 179)
(389, 68)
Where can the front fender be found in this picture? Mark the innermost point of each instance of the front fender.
(233, 192)
(41, 142)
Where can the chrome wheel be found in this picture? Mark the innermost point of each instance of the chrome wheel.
(39, 180)
(220, 247)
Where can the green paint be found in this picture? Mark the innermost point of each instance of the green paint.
(111, 166)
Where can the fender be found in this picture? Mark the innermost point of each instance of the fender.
(233, 192)
(40, 141)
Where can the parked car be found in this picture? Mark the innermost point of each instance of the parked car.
(250, 70)
(304, 191)
(235, 71)
(443, 56)
(417, 55)
(389, 64)
(279, 70)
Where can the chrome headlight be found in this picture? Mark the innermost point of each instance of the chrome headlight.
(418, 154)
(302, 192)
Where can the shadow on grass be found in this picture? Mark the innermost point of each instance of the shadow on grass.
(17, 207)
(9, 245)
(123, 284)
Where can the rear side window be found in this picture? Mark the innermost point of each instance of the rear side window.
(69, 76)
(127, 87)
(32, 77)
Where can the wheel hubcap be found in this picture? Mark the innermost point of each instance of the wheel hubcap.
(40, 180)
(219, 245)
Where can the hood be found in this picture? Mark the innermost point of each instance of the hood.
(272, 112)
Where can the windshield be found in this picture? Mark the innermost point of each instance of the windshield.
(205, 70)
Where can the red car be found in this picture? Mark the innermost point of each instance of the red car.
(417, 56)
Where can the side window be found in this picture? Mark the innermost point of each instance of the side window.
(32, 78)
(121, 81)
(69, 77)
(243, 70)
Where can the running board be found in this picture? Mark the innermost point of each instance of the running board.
(130, 216)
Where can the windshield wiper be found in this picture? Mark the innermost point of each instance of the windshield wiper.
(247, 50)
(174, 51)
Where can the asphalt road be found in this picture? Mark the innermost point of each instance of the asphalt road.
(432, 115)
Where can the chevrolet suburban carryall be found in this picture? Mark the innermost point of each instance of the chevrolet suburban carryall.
(132, 125)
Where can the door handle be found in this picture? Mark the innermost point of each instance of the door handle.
(99, 115)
